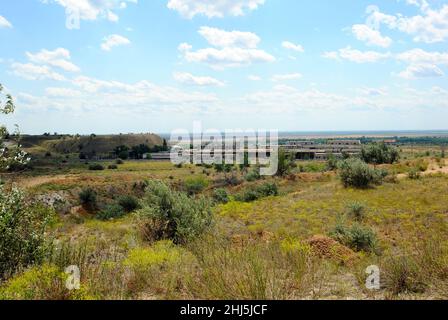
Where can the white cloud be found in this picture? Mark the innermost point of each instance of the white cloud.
(228, 57)
(222, 39)
(430, 26)
(91, 94)
(93, 9)
(286, 77)
(421, 56)
(292, 46)
(234, 49)
(4, 23)
(189, 79)
(114, 40)
(415, 71)
(57, 58)
(370, 36)
(213, 8)
(356, 55)
(31, 71)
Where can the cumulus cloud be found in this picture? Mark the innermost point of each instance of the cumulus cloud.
(189, 79)
(231, 49)
(430, 26)
(59, 58)
(114, 40)
(85, 93)
(222, 39)
(415, 71)
(292, 46)
(370, 36)
(4, 23)
(419, 55)
(93, 9)
(356, 55)
(31, 71)
(213, 8)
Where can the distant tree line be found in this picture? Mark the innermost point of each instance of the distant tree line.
(137, 152)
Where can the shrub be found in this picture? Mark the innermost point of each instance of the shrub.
(112, 167)
(356, 173)
(414, 174)
(253, 175)
(129, 203)
(362, 238)
(113, 211)
(87, 197)
(356, 210)
(119, 161)
(45, 282)
(379, 153)
(168, 214)
(402, 274)
(161, 253)
(332, 163)
(258, 192)
(285, 163)
(22, 231)
(357, 237)
(221, 196)
(195, 185)
(96, 167)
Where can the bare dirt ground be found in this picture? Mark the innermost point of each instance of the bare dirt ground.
(31, 182)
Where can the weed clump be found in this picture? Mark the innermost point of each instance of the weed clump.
(173, 215)
(220, 196)
(358, 174)
(265, 190)
(356, 237)
(44, 282)
(129, 203)
(113, 211)
(96, 167)
(87, 197)
(195, 185)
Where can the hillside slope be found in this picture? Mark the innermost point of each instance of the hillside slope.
(101, 144)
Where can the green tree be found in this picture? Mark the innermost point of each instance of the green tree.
(285, 163)
(379, 153)
(10, 154)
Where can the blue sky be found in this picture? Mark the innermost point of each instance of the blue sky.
(159, 65)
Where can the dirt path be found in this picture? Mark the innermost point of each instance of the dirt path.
(31, 182)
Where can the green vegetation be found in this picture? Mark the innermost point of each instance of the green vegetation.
(168, 214)
(379, 153)
(356, 173)
(141, 233)
(96, 167)
(23, 227)
(129, 203)
(88, 197)
(195, 185)
(112, 211)
(357, 237)
(220, 196)
(257, 192)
